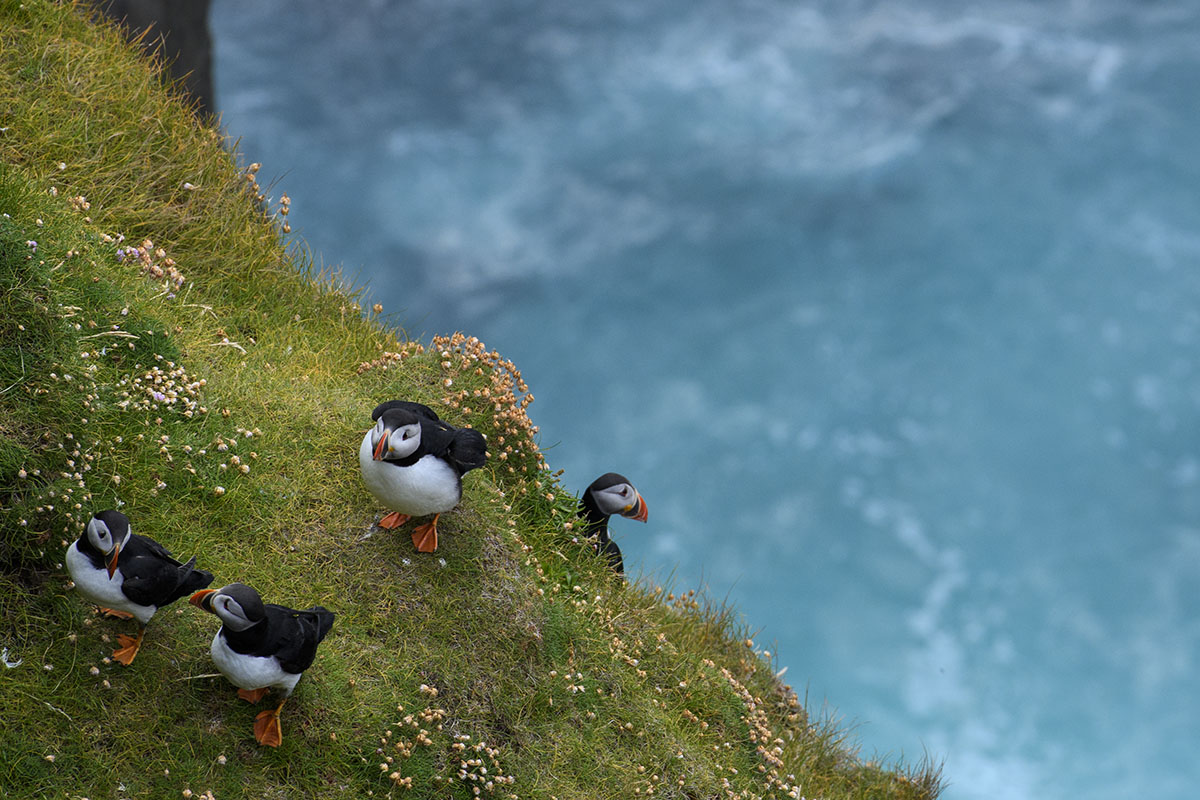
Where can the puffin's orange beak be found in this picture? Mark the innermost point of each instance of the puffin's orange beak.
(112, 560)
(381, 444)
(639, 510)
(198, 598)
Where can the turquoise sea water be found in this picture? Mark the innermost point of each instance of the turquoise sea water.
(889, 309)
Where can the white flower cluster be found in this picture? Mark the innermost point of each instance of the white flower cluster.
(164, 385)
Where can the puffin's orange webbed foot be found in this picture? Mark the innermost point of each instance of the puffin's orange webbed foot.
(253, 695)
(393, 520)
(129, 647)
(424, 537)
(112, 612)
(267, 730)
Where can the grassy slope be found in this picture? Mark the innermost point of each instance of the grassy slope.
(511, 649)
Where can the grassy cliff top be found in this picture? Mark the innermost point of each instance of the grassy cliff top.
(164, 348)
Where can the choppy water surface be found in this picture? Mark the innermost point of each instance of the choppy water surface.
(889, 309)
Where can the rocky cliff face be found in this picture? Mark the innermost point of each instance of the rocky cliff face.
(178, 33)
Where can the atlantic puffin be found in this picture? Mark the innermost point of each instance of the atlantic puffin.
(128, 575)
(413, 463)
(262, 645)
(607, 495)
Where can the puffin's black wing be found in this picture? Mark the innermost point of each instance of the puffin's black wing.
(313, 624)
(301, 632)
(469, 449)
(463, 448)
(289, 635)
(151, 577)
(422, 411)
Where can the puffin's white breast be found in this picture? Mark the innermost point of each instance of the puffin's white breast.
(96, 587)
(429, 486)
(250, 672)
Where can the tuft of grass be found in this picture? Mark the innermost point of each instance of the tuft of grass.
(166, 348)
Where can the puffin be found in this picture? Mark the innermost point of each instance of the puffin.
(262, 645)
(128, 576)
(413, 463)
(607, 495)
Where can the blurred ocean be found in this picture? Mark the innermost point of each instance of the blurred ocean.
(890, 309)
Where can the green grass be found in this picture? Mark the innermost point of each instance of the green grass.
(224, 412)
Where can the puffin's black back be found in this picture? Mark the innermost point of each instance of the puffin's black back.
(464, 449)
(289, 635)
(152, 577)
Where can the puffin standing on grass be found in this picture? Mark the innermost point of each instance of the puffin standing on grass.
(262, 645)
(413, 463)
(128, 575)
(607, 495)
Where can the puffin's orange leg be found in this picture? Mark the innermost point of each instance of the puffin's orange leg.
(425, 536)
(129, 647)
(253, 695)
(393, 520)
(267, 730)
(112, 612)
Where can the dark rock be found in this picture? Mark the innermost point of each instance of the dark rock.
(177, 31)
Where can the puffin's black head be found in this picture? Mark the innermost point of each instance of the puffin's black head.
(610, 494)
(396, 435)
(237, 604)
(107, 532)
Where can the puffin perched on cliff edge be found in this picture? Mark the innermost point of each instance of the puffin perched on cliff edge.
(262, 645)
(128, 575)
(607, 495)
(413, 463)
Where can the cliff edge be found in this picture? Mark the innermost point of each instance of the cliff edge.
(165, 348)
